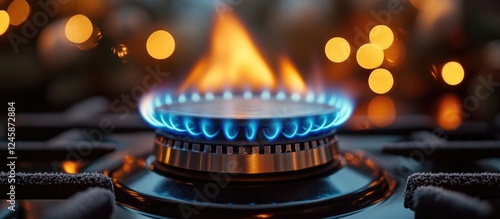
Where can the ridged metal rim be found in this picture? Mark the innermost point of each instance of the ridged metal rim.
(245, 159)
(141, 189)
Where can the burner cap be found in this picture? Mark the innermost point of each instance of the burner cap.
(240, 108)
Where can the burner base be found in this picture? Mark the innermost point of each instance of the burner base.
(260, 161)
(358, 184)
(264, 178)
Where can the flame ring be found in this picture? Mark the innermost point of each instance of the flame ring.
(211, 117)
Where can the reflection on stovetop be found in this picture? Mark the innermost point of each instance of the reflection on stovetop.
(129, 137)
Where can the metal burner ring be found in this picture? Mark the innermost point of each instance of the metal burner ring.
(276, 157)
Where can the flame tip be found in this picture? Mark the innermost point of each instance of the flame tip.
(235, 63)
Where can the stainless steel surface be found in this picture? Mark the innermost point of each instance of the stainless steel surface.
(257, 159)
(242, 108)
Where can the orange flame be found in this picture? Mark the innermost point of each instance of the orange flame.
(234, 63)
(291, 76)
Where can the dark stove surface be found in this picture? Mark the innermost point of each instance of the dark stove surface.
(130, 140)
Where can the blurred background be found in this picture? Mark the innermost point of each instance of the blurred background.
(435, 63)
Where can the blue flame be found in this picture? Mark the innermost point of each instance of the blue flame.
(175, 124)
(247, 95)
(182, 98)
(230, 129)
(291, 129)
(295, 97)
(251, 130)
(191, 127)
(306, 128)
(319, 124)
(266, 95)
(273, 130)
(168, 99)
(195, 97)
(227, 95)
(151, 105)
(310, 97)
(209, 96)
(321, 99)
(148, 111)
(281, 95)
(208, 130)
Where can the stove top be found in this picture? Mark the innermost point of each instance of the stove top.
(250, 109)
(364, 182)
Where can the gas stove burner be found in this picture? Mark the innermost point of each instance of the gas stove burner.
(248, 156)
(258, 135)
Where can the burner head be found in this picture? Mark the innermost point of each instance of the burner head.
(245, 134)
(247, 117)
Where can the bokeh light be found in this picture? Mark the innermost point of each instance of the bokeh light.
(337, 49)
(381, 36)
(4, 21)
(381, 111)
(70, 167)
(160, 44)
(493, 55)
(370, 56)
(92, 41)
(452, 73)
(78, 29)
(125, 22)
(396, 53)
(448, 114)
(18, 11)
(53, 47)
(121, 51)
(422, 4)
(380, 81)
